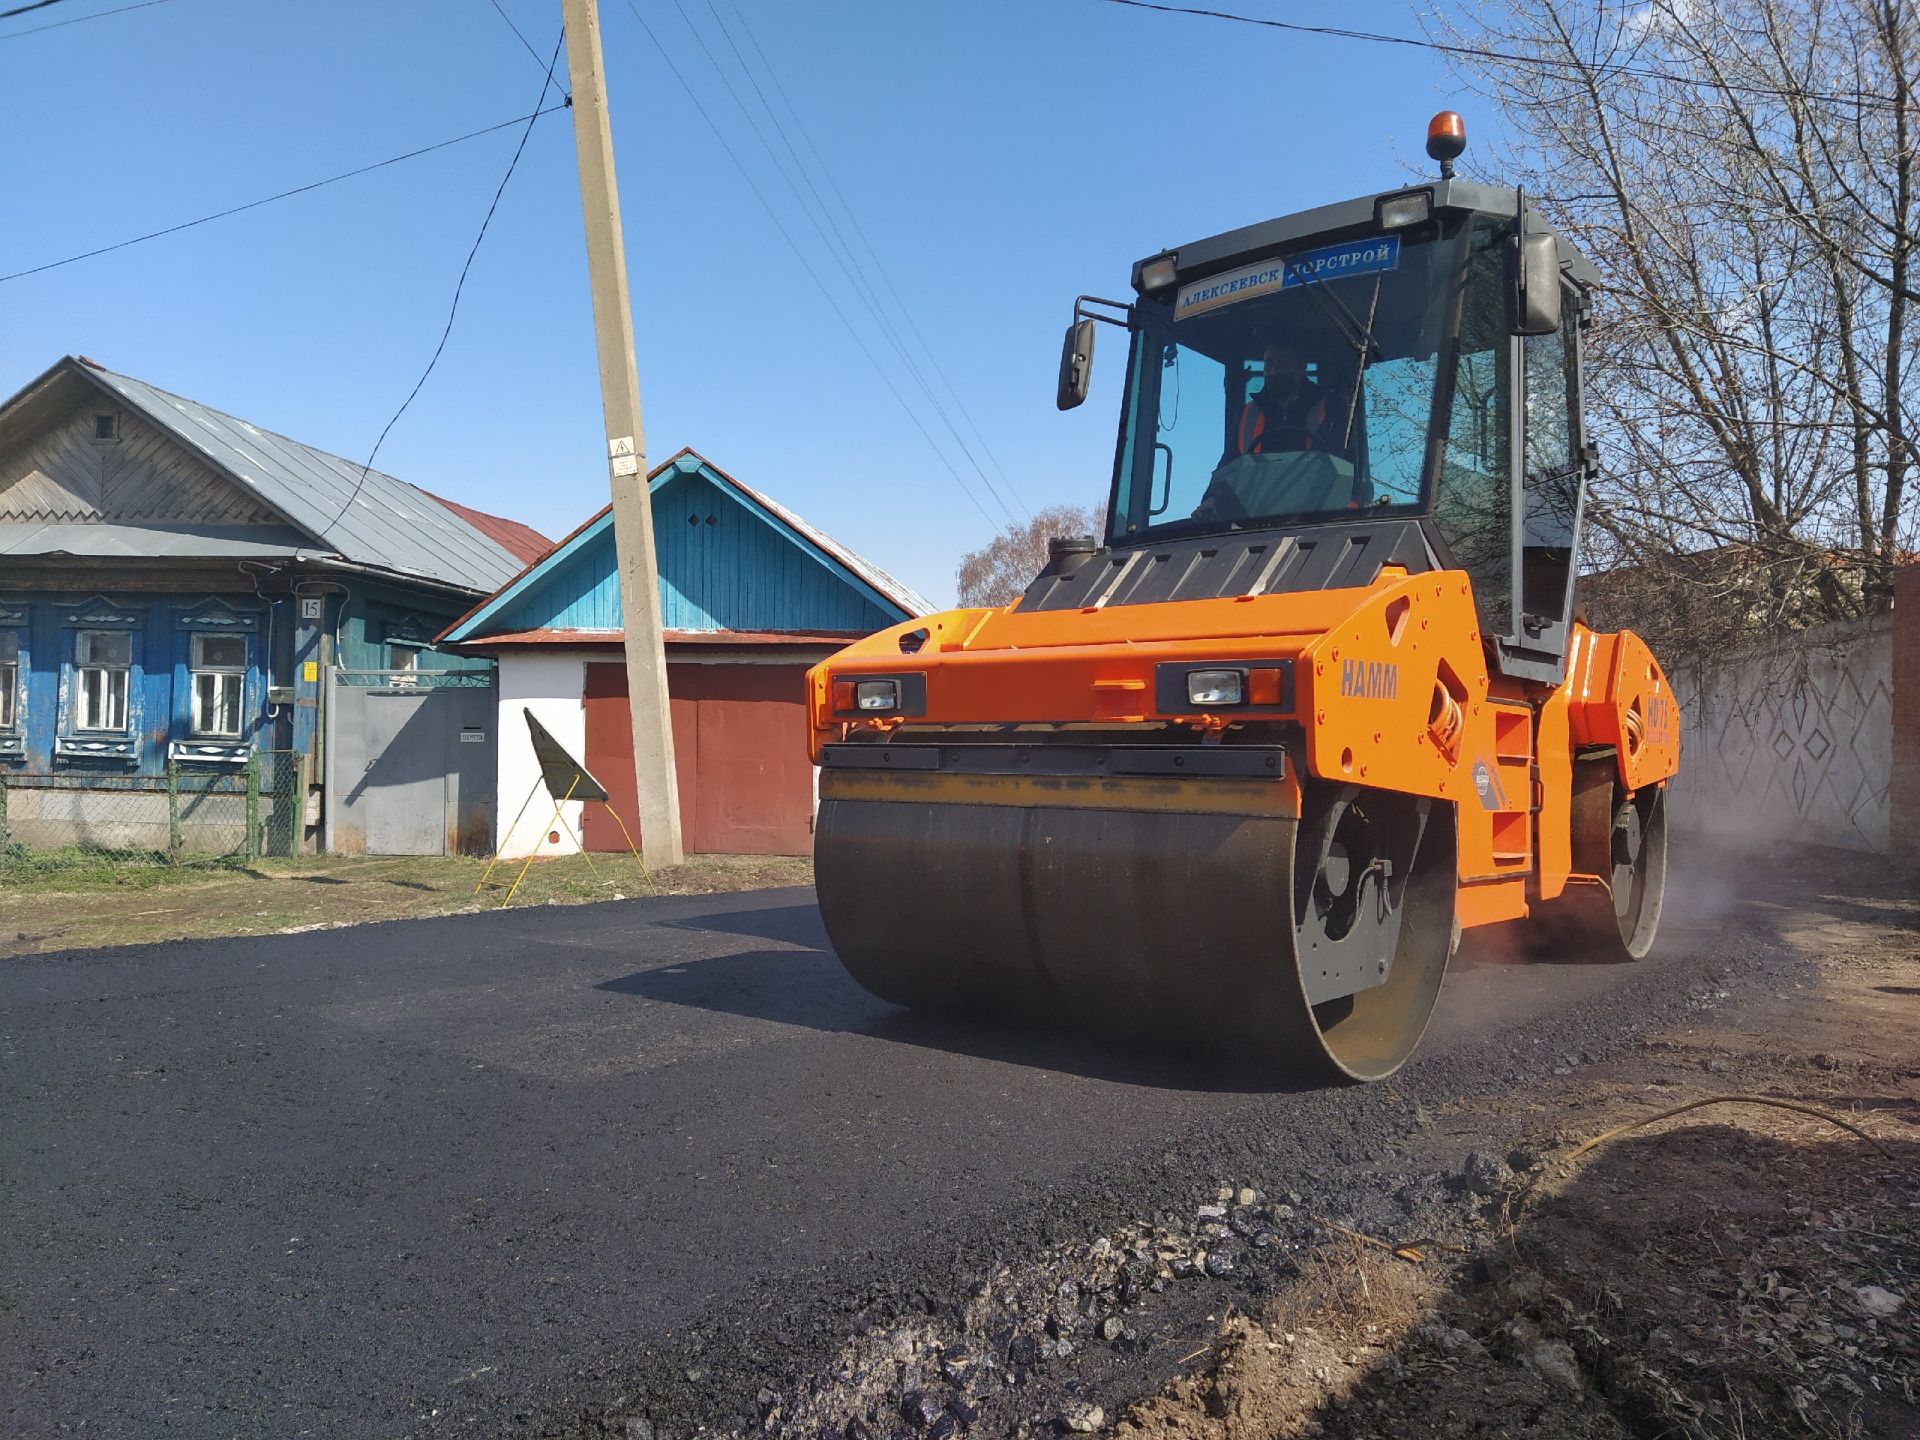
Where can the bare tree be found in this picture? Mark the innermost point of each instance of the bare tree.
(1743, 174)
(1001, 570)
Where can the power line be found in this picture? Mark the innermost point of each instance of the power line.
(525, 43)
(540, 108)
(23, 9)
(849, 268)
(853, 277)
(860, 231)
(76, 20)
(806, 265)
(852, 268)
(1507, 57)
(282, 195)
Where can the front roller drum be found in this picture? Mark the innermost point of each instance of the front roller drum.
(1174, 914)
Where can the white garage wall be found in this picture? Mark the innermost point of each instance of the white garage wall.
(551, 686)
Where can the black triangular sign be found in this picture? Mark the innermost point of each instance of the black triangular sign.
(566, 777)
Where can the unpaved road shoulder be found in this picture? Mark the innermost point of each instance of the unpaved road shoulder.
(1738, 1270)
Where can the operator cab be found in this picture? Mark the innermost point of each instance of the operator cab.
(1423, 405)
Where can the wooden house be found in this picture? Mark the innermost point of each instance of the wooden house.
(180, 590)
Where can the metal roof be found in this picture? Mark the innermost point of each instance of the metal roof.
(388, 524)
(526, 543)
(94, 540)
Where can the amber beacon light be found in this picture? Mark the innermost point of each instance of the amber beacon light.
(1446, 138)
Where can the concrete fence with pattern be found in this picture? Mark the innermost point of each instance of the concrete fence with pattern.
(1813, 739)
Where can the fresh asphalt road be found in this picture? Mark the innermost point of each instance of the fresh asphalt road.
(353, 1182)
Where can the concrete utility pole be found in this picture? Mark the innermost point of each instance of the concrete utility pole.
(653, 771)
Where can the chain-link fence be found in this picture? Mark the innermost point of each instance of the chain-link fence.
(191, 812)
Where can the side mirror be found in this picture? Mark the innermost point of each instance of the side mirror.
(1536, 289)
(1076, 365)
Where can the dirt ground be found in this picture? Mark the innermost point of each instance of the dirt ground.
(1736, 1271)
(74, 901)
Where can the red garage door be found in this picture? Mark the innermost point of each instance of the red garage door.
(739, 745)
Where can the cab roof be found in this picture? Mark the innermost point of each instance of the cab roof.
(1251, 242)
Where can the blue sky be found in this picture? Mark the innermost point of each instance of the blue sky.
(1001, 156)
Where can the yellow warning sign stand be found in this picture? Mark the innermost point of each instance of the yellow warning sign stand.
(564, 779)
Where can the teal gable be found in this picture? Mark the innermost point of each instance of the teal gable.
(730, 560)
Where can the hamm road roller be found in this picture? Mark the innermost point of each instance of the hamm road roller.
(1236, 775)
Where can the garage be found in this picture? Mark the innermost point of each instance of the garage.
(751, 596)
(746, 786)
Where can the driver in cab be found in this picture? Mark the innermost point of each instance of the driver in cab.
(1287, 412)
(1286, 417)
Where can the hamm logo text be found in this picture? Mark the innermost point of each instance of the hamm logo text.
(1370, 679)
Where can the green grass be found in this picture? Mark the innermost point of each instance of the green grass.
(88, 867)
(77, 898)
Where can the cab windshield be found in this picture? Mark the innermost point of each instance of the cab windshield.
(1303, 389)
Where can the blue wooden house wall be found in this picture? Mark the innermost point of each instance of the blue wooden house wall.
(725, 563)
(379, 617)
(159, 690)
(45, 628)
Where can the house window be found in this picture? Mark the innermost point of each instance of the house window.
(106, 427)
(404, 660)
(219, 681)
(103, 660)
(9, 680)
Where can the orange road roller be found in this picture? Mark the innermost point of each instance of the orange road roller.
(1236, 775)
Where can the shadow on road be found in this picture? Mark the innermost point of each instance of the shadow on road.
(788, 924)
(808, 987)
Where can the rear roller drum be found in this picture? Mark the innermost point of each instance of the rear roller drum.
(1615, 921)
(1314, 946)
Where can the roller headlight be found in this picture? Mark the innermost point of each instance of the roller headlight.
(1397, 212)
(902, 696)
(1216, 687)
(1158, 274)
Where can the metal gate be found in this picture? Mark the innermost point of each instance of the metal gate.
(409, 762)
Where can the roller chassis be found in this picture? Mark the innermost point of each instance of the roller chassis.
(1285, 888)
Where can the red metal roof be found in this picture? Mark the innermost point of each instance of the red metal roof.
(523, 542)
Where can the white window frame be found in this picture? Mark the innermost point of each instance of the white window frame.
(113, 688)
(228, 689)
(10, 706)
(408, 651)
